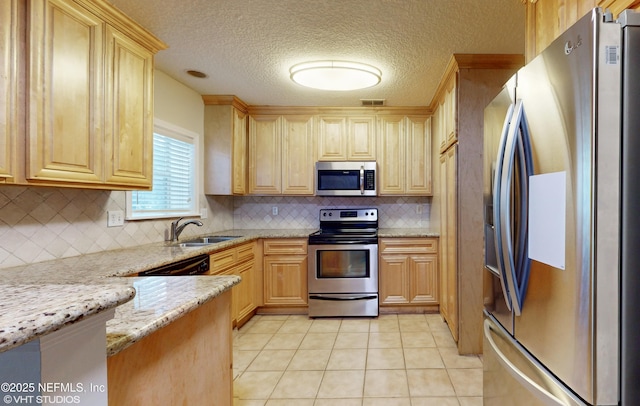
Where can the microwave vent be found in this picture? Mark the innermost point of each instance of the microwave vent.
(372, 102)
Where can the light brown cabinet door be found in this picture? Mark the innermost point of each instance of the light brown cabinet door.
(451, 114)
(332, 138)
(394, 279)
(239, 166)
(243, 293)
(11, 40)
(446, 113)
(265, 155)
(234, 294)
(448, 238)
(225, 146)
(391, 155)
(418, 156)
(361, 142)
(423, 276)
(129, 112)
(297, 155)
(65, 91)
(444, 236)
(285, 280)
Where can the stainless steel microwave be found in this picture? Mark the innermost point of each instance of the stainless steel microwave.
(345, 179)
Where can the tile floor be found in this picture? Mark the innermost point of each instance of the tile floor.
(393, 360)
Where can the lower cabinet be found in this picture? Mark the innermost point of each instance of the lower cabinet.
(239, 261)
(244, 302)
(285, 272)
(408, 273)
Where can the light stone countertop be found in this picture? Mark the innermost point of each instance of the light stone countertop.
(408, 232)
(30, 311)
(88, 284)
(160, 300)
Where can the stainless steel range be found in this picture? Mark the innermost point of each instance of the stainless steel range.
(343, 264)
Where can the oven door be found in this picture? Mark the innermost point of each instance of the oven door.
(343, 268)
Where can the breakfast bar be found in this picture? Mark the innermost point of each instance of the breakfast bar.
(176, 317)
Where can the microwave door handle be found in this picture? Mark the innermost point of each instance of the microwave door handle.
(362, 180)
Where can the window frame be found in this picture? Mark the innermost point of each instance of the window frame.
(173, 131)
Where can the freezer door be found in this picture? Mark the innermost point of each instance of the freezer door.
(568, 320)
(511, 376)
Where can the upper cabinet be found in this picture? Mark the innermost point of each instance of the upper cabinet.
(65, 136)
(447, 117)
(277, 156)
(129, 111)
(281, 155)
(225, 141)
(346, 138)
(265, 155)
(404, 155)
(297, 155)
(11, 57)
(547, 19)
(88, 100)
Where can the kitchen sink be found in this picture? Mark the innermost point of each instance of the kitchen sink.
(202, 241)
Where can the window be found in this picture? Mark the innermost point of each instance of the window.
(175, 163)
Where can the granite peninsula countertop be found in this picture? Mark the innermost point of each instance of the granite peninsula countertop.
(31, 311)
(40, 298)
(160, 300)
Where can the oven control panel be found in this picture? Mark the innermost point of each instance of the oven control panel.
(348, 215)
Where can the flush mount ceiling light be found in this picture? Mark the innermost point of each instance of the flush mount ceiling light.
(335, 75)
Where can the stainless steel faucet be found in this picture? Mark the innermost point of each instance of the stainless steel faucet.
(176, 229)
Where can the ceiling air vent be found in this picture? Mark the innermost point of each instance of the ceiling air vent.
(372, 102)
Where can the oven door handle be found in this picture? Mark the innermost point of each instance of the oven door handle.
(345, 242)
(320, 297)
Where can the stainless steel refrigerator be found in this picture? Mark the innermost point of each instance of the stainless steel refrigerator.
(562, 222)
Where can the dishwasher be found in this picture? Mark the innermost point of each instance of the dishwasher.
(192, 266)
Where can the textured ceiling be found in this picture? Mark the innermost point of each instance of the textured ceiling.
(247, 46)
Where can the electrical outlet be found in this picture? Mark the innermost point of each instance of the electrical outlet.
(204, 213)
(115, 218)
(274, 210)
(418, 209)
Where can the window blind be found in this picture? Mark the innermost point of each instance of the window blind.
(173, 179)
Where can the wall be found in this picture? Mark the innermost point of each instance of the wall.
(40, 223)
(302, 212)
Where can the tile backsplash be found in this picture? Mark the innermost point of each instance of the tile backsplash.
(302, 212)
(41, 223)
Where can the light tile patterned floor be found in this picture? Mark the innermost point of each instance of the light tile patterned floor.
(393, 360)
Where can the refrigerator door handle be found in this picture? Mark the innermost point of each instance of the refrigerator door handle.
(515, 259)
(516, 373)
(497, 209)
